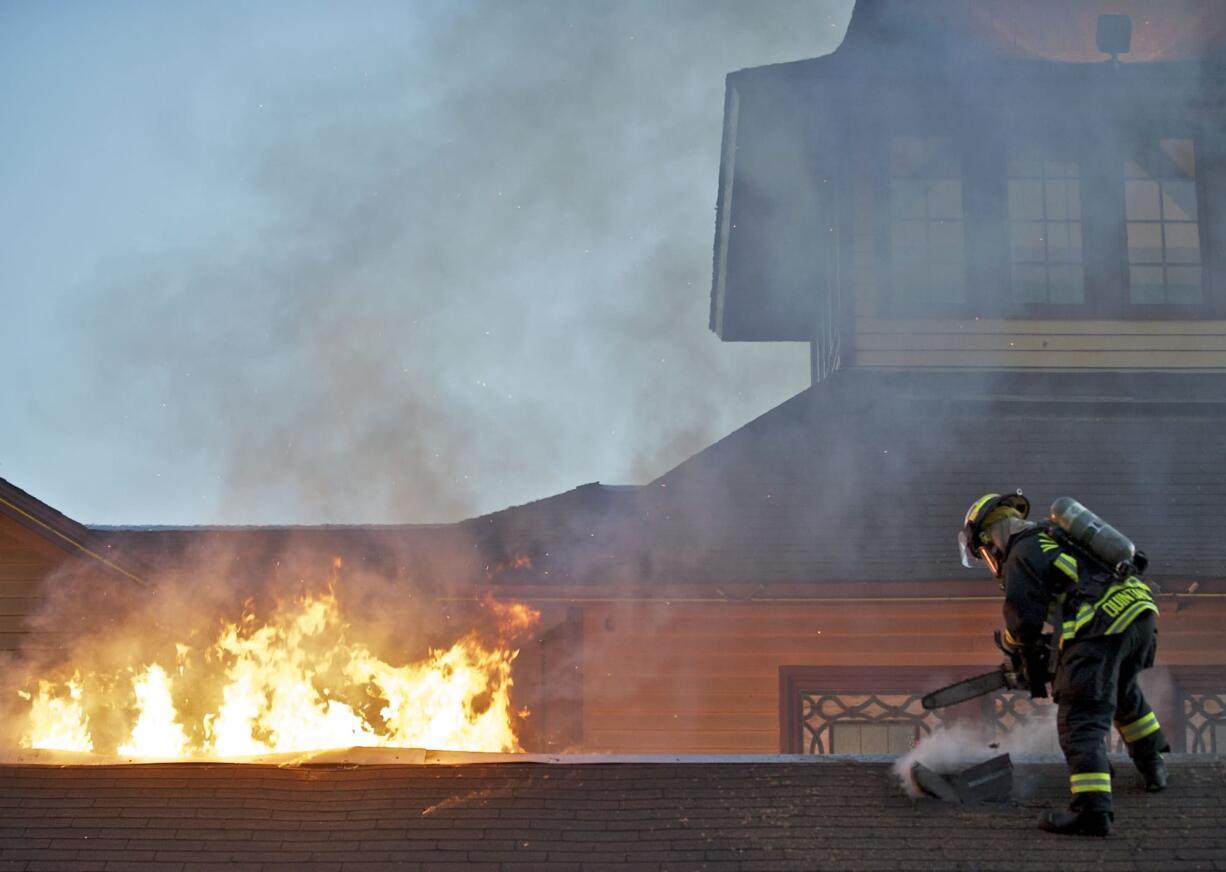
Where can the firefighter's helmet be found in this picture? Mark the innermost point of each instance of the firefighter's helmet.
(974, 543)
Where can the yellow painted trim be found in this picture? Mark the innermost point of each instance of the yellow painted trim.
(1039, 327)
(1044, 359)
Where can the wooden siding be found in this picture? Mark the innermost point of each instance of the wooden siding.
(703, 679)
(1088, 344)
(25, 560)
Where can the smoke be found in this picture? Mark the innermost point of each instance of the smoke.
(960, 745)
(440, 262)
(965, 743)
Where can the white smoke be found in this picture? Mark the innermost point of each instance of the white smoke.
(963, 744)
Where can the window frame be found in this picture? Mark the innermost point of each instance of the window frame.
(1169, 311)
(895, 301)
(986, 227)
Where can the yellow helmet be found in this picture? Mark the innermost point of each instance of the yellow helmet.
(973, 541)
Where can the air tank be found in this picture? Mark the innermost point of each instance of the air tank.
(1095, 535)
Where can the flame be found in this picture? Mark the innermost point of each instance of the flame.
(292, 683)
(57, 718)
(156, 734)
(513, 618)
(521, 561)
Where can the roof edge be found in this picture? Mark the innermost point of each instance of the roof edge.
(54, 526)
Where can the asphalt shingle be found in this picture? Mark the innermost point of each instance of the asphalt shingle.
(726, 816)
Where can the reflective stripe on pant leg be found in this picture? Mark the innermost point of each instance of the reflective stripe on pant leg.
(1140, 728)
(1090, 782)
(1083, 726)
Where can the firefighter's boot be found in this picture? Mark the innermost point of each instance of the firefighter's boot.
(1153, 771)
(1076, 823)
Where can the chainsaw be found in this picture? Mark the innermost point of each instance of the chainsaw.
(1010, 675)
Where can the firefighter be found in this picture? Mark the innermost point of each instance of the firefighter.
(1108, 635)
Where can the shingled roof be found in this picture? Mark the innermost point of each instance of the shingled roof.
(866, 476)
(716, 816)
(863, 477)
(419, 552)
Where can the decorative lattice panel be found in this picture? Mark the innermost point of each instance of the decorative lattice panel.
(1204, 721)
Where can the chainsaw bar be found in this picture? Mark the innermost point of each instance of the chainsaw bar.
(966, 689)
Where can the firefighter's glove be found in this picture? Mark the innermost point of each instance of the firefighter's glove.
(1034, 659)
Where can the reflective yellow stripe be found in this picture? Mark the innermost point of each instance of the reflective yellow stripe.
(1152, 728)
(1090, 776)
(1140, 728)
(1131, 583)
(1047, 543)
(973, 514)
(1130, 614)
(1067, 565)
(1090, 782)
(1085, 614)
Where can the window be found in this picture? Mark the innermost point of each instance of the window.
(1045, 260)
(927, 230)
(862, 723)
(890, 737)
(1164, 261)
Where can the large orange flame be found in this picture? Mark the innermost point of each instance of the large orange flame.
(292, 683)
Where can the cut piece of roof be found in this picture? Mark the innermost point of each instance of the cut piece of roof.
(820, 813)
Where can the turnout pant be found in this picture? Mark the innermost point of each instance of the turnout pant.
(1096, 685)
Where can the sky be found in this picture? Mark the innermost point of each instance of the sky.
(404, 262)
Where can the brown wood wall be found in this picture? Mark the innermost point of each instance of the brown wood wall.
(25, 560)
(703, 678)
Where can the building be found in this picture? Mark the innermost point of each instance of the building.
(1003, 246)
(1002, 243)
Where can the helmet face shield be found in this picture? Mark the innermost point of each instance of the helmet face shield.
(969, 557)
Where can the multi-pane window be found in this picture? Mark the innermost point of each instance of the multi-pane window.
(1164, 261)
(1044, 229)
(927, 230)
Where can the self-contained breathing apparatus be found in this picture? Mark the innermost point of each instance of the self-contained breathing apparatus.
(1090, 534)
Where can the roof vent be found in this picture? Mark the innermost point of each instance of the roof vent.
(1114, 34)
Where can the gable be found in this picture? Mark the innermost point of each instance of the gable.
(25, 560)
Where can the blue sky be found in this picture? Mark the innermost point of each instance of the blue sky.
(304, 262)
